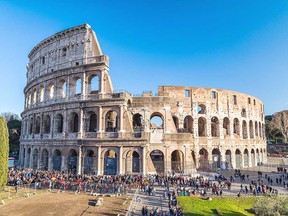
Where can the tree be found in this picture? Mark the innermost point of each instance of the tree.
(4, 151)
(271, 206)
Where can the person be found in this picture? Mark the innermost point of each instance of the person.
(143, 211)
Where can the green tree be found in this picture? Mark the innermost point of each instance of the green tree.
(4, 151)
(271, 206)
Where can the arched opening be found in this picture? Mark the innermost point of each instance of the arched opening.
(251, 132)
(226, 127)
(202, 129)
(51, 91)
(177, 162)
(74, 122)
(137, 122)
(31, 126)
(93, 84)
(156, 121)
(216, 159)
(47, 124)
(257, 157)
(260, 130)
(62, 89)
(215, 132)
(41, 94)
(246, 158)
(244, 130)
(111, 121)
(201, 109)
(28, 157)
(132, 162)
(89, 160)
(203, 159)
(253, 158)
(228, 159)
(72, 161)
(188, 124)
(38, 123)
(243, 113)
(57, 160)
(34, 96)
(176, 122)
(44, 159)
(110, 162)
(92, 122)
(256, 129)
(78, 87)
(236, 127)
(157, 158)
(261, 156)
(35, 159)
(238, 159)
(59, 123)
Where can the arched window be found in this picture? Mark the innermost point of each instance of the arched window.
(215, 132)
(31, 126)
(78, 86)
(93, 84)
(74, 122)
(202, 128)
(201, 109)
(251, 132)
(226, 126)
(47, 124)
(34, 96)
(38, 122)
(156, 121)
(243, 113)
(41, 94)
(111, 121)
(93, 122)
(137, 122)
(59, 123)
(63, 89)
(236, 127)
(51, 91)
(188, 124)
(244, 130)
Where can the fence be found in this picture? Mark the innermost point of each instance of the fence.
(134, 203)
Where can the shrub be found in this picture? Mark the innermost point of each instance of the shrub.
(271, 206)
(4, 151)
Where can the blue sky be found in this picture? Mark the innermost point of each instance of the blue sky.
(240, 45)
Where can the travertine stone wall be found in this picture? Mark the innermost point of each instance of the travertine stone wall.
(73, 119)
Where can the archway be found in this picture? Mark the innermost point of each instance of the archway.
(226, 127)
(246, 158)
(215, 132)
(188, 124)
(177, 161)
(253, 158)
(202, 128)
(236, 127)
(35, 159)
(238, 159)
(157, 158)
(110, 162)
(92, 122)
(57, 160)
(37, 125)
(251, 131)
(89, 162)
(59, 123)
(203, 159)
(137, 122)
(257, 157)
(74, 122)
(228, 159)
(28, 157)
(47, 124)
(244, 129)
(156, 121)
(201, 109)
(44, 159)
(132, 162)
(216, 159)
(111, 121)
(72, 161)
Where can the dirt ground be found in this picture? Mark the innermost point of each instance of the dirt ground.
(63, 204)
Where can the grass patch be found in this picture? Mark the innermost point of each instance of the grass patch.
(223, 205)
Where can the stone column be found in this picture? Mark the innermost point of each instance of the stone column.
(84, 84)
(82, 123)
(167, 165)
(79, 166)
(233, 161)
(143, 160)
(31, 158)
(120, 171)
(121, 119)
(99, 169)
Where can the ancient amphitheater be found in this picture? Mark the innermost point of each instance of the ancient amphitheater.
(74, 121)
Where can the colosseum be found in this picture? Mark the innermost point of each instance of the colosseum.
(74, 121)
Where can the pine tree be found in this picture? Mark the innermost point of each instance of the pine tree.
(4, 151)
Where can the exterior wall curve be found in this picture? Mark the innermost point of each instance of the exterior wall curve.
(73, 120)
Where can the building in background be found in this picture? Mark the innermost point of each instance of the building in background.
(74, 121)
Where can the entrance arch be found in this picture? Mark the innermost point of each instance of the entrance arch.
(57, 160)
(238, 159)
(228, 159)
(216, 159)
(177, 161)
(89, 162)
(246, 158)
(72, 161)
(203, 159)
(132, 162)
(110, 162)
(44, 160)
(157, 158)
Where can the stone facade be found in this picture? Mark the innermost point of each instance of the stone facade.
(73, 120)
